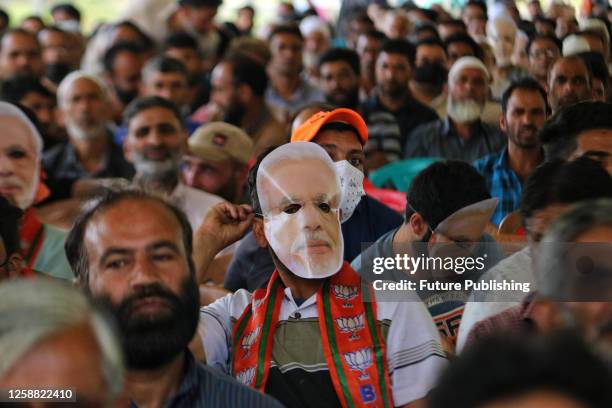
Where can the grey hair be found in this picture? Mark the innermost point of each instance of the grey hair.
(34, 309)
(556, 279)
(7, 109)
(74, 76)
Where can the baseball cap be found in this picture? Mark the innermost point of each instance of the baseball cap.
(311, 127)
(218, 141)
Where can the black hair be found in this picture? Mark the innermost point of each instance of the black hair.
(252, 180)
(147, 102)
(9, 226)
(145, 42)
(341, 54)
(67, 8)
(34, 17)
(515, 366)
(443, 188)
(180, 40)
(200, 3)
(562, 182)
(481, 4)
(454, 22)
(16, 88)
(245, 70)
(524, 84)
(377, 35)
(291, 29)
(19, 31)
(4, 16)
(466, 39)
(431, 41)
(427, 27)
(75, 241)
(401, 47)
(560, 132)
(548, 37)
(111, 54)
(545, 20)
(597, 66)
(166, 65)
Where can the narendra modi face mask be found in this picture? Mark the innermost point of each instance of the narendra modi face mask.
(299, 192)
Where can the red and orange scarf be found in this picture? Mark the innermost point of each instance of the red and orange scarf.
(32, 233)
(350, 333)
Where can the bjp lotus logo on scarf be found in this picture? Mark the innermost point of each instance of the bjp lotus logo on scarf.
(248, 340)
(246, 376)
(258, 302)
(360, 360)
(351, 325)
(345, 293)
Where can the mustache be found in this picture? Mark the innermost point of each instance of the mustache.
(143, 292)
(302, 243)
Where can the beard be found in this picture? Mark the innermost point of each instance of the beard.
(345, 99)
(394, 89)
(151, 341)
(154, 169)
(234, 114)
(57, 71)
(464, 111)
(125, 97)
(81, 132)
(24, 198)
(229, 190)
(526, 137)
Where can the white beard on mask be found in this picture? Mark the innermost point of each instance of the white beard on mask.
(25, 199)
(464, 111)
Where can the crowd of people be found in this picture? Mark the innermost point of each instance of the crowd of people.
(203, 213)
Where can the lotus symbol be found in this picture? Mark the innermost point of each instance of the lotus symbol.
(359, 360)
(248, 340)
(258, 302)
(351, 325)
(345, 293)
(246, 376)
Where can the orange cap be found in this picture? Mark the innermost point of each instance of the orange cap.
(309, 129)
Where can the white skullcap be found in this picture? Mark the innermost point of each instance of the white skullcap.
(594, 24)
(468, 62)
(313, 23)
(7, 109)
(575, 44)
(74, 76)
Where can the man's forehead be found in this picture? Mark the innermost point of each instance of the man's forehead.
(128, 217)
(154, 116)
(19, 130)
(299, 177)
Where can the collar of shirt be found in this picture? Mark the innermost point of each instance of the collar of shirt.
(502, 160)
(188, 385)
(448, 129)
(72, 162)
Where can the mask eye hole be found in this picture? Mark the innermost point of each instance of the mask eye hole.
(292, 208)
(325, 207)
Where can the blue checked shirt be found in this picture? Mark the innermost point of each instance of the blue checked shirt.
(502, 182)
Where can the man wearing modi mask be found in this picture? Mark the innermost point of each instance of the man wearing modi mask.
(21, 145)
(310, 339)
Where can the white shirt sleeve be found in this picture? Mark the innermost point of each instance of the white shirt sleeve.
(215, 329)
(414, 351)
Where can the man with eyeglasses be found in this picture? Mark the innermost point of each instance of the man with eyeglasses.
(543, 50)
(447, 211)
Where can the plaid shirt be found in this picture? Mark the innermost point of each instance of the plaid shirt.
(502, 182)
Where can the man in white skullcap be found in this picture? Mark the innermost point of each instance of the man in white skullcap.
(461, 134)
(20, 182)
(317, 40)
